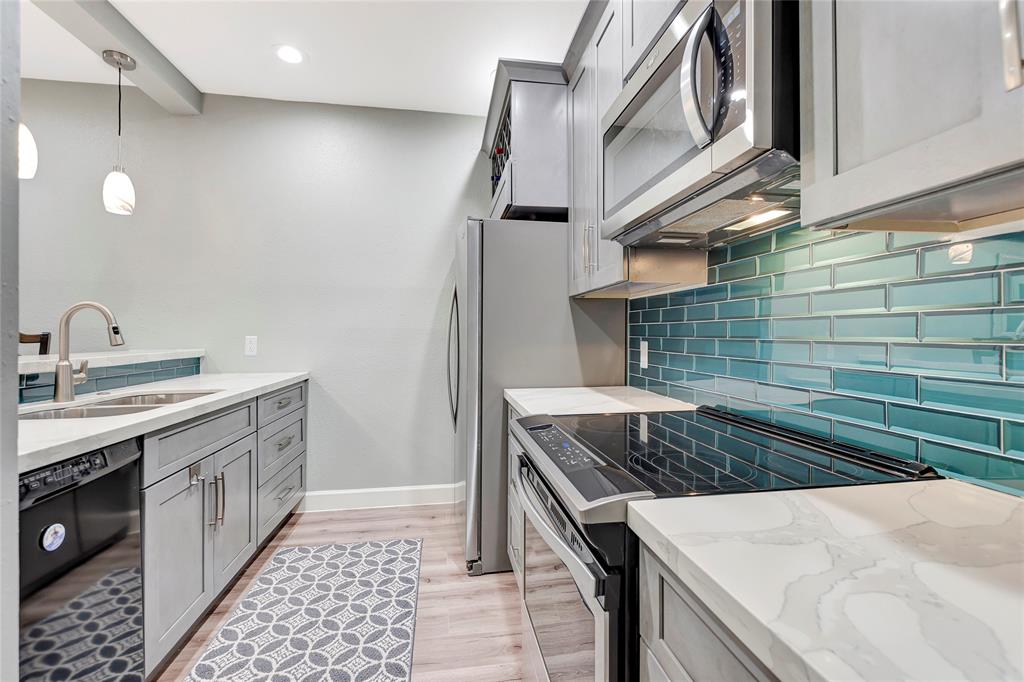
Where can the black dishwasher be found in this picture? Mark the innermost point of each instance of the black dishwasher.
(81, 568)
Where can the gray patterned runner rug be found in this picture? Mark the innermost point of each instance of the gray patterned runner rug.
(335, 613)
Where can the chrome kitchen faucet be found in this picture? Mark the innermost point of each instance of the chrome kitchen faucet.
(65, 378)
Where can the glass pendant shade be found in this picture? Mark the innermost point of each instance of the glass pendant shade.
(118, 192)
(28, 153)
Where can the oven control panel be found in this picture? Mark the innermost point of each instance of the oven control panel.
(563, 451)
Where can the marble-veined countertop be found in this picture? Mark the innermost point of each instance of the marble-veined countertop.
(593, 400)
(46, 441)
(899, 581)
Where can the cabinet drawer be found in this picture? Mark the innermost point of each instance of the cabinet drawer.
(174, 448)
(280, 403)
(279, 443)
(687, 640)
(651, 670)
(280, 495)
(515, 534)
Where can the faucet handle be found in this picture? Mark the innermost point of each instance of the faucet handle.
(82, 374)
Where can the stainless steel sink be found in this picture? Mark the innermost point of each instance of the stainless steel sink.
(153, 399)
(113, 407)
(87, 411)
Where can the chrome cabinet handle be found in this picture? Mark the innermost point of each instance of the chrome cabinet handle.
(699, 130)
(216, 496)
(284, 442)
(1009, 31)
(586, 248)
(221, 498)
(283, 403)
(286, 493)
(593, 248)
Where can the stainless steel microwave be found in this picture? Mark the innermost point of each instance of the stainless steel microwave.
(702, 143)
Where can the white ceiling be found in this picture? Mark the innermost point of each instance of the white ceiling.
(430, 55)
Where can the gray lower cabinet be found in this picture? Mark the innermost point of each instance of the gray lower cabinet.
(685, 640)
(234, 535)
(279, 443)
(177, 556)
(279, 495)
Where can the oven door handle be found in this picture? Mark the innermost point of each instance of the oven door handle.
(590, 585)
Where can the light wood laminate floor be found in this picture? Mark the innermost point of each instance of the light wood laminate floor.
(467, 628)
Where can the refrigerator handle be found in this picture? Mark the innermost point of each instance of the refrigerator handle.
(453, 316)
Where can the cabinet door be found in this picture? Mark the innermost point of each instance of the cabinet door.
(608, 262)
(583, 173)
(177, 556)
(900, 99)
(234, 536)
(642, 22)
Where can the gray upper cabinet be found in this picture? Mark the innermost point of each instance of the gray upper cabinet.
(234, 535)
(582, 173)
(177, 556)
(908, 113)
(642, 23)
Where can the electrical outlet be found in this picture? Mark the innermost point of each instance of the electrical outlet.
(250, 346)
(643, 355)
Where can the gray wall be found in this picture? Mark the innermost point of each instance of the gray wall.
(326, 231)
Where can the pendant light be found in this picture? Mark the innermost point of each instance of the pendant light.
(118, 190)
(28, 153)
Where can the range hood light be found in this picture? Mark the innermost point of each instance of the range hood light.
(675, 240)
(759, 219)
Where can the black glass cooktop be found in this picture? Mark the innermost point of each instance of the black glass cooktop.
(706, 451)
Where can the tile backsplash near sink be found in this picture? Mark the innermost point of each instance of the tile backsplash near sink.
(896, 342)
(37, 387)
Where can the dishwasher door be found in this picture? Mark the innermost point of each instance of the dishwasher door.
(81, 568)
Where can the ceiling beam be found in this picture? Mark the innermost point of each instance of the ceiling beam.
(99, 26)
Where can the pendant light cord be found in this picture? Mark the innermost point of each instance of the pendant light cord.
(119, 102)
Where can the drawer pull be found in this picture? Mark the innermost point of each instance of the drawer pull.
(284, 442)
(283, 403)
(286, 493)
(222, 496)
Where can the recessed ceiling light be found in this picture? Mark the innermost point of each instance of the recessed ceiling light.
(289, 54)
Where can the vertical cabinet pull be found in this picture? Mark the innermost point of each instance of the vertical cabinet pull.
(216, 495)
(221, 498)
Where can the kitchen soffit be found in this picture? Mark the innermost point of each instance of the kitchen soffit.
(427, 55)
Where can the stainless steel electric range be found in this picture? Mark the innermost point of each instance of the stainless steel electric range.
(578, 473)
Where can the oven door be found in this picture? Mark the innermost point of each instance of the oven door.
(562, 584)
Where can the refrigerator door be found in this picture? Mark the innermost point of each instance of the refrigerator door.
(466, 401)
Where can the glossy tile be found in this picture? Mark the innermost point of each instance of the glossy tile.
(846, 248)
(1013, 437)
(803, 280)
(883, 269)
(719, 292)
(976, 397)
(677, 314)
(736, 387)
(701, 346)
(803, 422)
(877, 441)
(680, 329)
(882, 385)
(906, 240)
(983, 362)
(850, 354)
(746, 307)
(1005, 473)
(950, 427)
(758, 286)
(984, 254)
(784, 306)
(717, 330)
(737, 270)
(700, 312)
(709, 365)
(752, 370)
(749, 329)
(679, 298)
(1015, 364)
(788, 351)
(737, 349)
(1013, 290)
(802, 328)
(888, 327)
(794, 399)
(751, 247)
(853, 409)
(999, 325)
(802, 375)
(955, 292)
(794, 236)
(784, 261)
(867, 299)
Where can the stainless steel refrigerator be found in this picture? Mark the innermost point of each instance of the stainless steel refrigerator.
(513, 325)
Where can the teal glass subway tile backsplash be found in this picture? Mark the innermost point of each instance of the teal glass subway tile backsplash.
(39, 387)
(900, 343)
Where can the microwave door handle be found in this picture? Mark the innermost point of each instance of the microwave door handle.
(581, 572)
(692, 115)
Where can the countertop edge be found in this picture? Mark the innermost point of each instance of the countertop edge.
(40, 364)
(596, 394)
(154, 420)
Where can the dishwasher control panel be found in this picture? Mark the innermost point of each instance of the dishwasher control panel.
(44, 482)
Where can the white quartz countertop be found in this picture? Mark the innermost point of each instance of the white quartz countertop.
(899, 581)
(39, 364)
(45, 441)
(595, 400)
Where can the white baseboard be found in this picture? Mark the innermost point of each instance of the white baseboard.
(369, 498)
